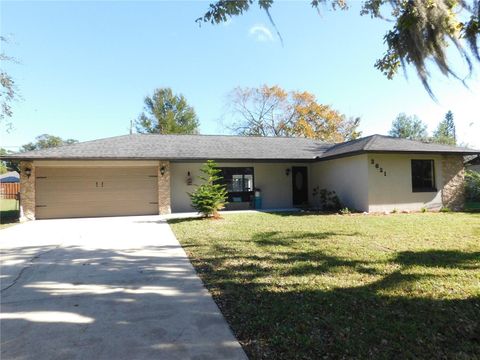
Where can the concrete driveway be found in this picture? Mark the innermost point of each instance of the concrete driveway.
(105, 288)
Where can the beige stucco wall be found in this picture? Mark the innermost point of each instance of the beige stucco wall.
(347, 176)
(361, 186)
(275, 185)
(394, 191)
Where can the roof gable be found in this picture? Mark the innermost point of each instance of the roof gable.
(382, 143)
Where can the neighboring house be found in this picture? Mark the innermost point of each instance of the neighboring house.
(10, 177)
(153, 174)
(472, 162)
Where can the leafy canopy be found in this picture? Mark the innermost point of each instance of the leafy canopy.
(7, 165)
(409, 127)
(272, 111)
(46, 141)
(211, 196)
(8, 89)
(167, 113)
(422, 30)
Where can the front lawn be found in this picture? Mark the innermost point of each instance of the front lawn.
(9, 212)
(296, 286)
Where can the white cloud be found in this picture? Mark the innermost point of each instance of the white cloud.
(261, 33)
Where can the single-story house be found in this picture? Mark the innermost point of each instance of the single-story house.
(152, 174)
(10, 177)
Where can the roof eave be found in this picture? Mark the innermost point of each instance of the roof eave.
(172, 159)
(424, 152)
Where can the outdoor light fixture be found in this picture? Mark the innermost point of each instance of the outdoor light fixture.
(372, 161)
(189, 178)
(377, 166)
(162, 170)
(28, 172)
(287, 171)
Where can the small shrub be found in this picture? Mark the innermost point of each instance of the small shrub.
(472, 185)
(445, 209)
(210, 197)
(345, 211)
(394, 211)
(424, 209)
(329, 200)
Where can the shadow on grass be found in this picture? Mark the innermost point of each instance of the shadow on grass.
(276, 238)
(440, 258)
(377, 319)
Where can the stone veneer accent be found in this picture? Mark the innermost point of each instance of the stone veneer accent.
(164, 189)
(453, 192)
(27, 192)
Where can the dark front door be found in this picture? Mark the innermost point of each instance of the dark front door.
(300, 185)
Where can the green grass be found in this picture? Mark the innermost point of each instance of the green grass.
(8, 212)
(8, 204)
(298, 286)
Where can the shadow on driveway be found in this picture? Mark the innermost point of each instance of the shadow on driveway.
(94, 300)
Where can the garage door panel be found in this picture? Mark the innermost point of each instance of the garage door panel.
(78, 192)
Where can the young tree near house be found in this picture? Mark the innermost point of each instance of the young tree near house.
(167, 113)
(272, 111)
(422, 30)
(445, 132)
(209, 197)
(408, 127)
(46, 141)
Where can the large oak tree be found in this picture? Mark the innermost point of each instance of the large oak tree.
(272, 111)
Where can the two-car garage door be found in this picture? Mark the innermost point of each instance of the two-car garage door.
(63, 192)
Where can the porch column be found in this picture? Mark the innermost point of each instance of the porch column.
(453, 192)
(27, 191)
(164, 188)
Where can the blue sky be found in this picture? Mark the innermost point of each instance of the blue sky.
(85, 67)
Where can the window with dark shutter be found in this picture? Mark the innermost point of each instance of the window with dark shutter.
(423, 176)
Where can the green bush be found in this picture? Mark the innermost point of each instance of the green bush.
(345, 211)
(445, 209)
(209, 197)
(472, 185)
(329, 200)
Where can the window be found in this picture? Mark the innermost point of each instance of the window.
(423, 176)
(239, 183)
